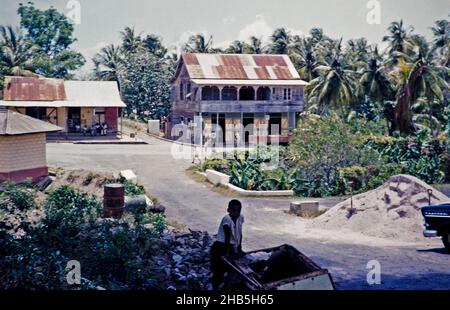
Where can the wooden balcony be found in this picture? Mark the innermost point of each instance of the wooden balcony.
(268, 106)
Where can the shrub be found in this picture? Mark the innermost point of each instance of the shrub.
(131, 188)
(66, 209)
(19, 196)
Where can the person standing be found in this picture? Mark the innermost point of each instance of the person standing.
(228, 241)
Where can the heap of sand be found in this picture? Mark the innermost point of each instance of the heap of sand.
(391, 211)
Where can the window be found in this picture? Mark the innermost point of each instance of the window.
(181, 91)
(188, 91)
(229, 93)
(263, 93)
(210, 93)
(287, 94)
(246, 93)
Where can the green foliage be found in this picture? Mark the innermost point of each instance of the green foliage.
(17, 196)
(144, 81)
(132, 188)
(320, 146)
(116, 254)
(52, 32)
(66, 209)
(328, 157)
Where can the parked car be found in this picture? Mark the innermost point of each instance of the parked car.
(437, 222)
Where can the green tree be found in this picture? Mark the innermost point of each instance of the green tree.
(237, 47)
(130, 41)
(255, 46)
(145, 84)
(281, 41)
(335, 85)
(154, 45)
(398, 37)
(375, 83)
(107, 63)
(418, 75)
(199, 44)
(16, 53)
(53, 33)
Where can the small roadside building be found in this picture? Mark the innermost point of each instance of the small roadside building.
(22, 146)
(70, 105)
(242, 90)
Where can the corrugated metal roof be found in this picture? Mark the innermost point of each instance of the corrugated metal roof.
(93, 94)
(13, 123)
(252, 82)
(240, 67)
(43, 92)
(33, 89)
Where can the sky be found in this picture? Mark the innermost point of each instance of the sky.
(99, 22)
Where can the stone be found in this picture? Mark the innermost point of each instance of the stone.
(217, 178)
(153, 127)
(302, 206)
(129, 175)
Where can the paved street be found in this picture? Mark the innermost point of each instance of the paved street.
(421, 266)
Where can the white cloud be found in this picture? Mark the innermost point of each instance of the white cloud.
(258, 28)
(229, 20)
(88, 54)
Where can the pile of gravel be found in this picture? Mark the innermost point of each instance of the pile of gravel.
(391, 211)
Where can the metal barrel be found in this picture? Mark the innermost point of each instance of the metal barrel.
(113, 200)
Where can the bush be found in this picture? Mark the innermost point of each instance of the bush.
(66, 209)
(19, 196)
(131, 188)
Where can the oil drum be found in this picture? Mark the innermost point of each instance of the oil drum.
(114, 200)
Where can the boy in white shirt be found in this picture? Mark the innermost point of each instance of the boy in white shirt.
(228, 241)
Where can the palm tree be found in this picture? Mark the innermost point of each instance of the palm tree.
(418, 76)
(255, 46)
(441, 41)
(304, 58)
(398, 37)
(441, 33)
(17, 52)
(281, 40)
(236, 47)
(130, 42)
(333, 88)
(107, 63)
(357, 52)
(199, 44)
(374, 82)
(154, 45)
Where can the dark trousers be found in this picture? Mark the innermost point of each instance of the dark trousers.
(218, 268)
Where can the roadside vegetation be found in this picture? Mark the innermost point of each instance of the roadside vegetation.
(39, 239)
(330, 157)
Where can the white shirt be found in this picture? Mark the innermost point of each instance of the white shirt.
(236, 230)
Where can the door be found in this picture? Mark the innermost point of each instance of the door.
(248, 121)
(74, 119)
(275, 120)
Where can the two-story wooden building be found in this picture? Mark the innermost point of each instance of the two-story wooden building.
(246, 91)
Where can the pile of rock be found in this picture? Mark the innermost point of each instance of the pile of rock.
(188, 263)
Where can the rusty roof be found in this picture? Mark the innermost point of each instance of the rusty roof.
(13, 123)
(45, 92)
(18, 88)
(239, 67)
